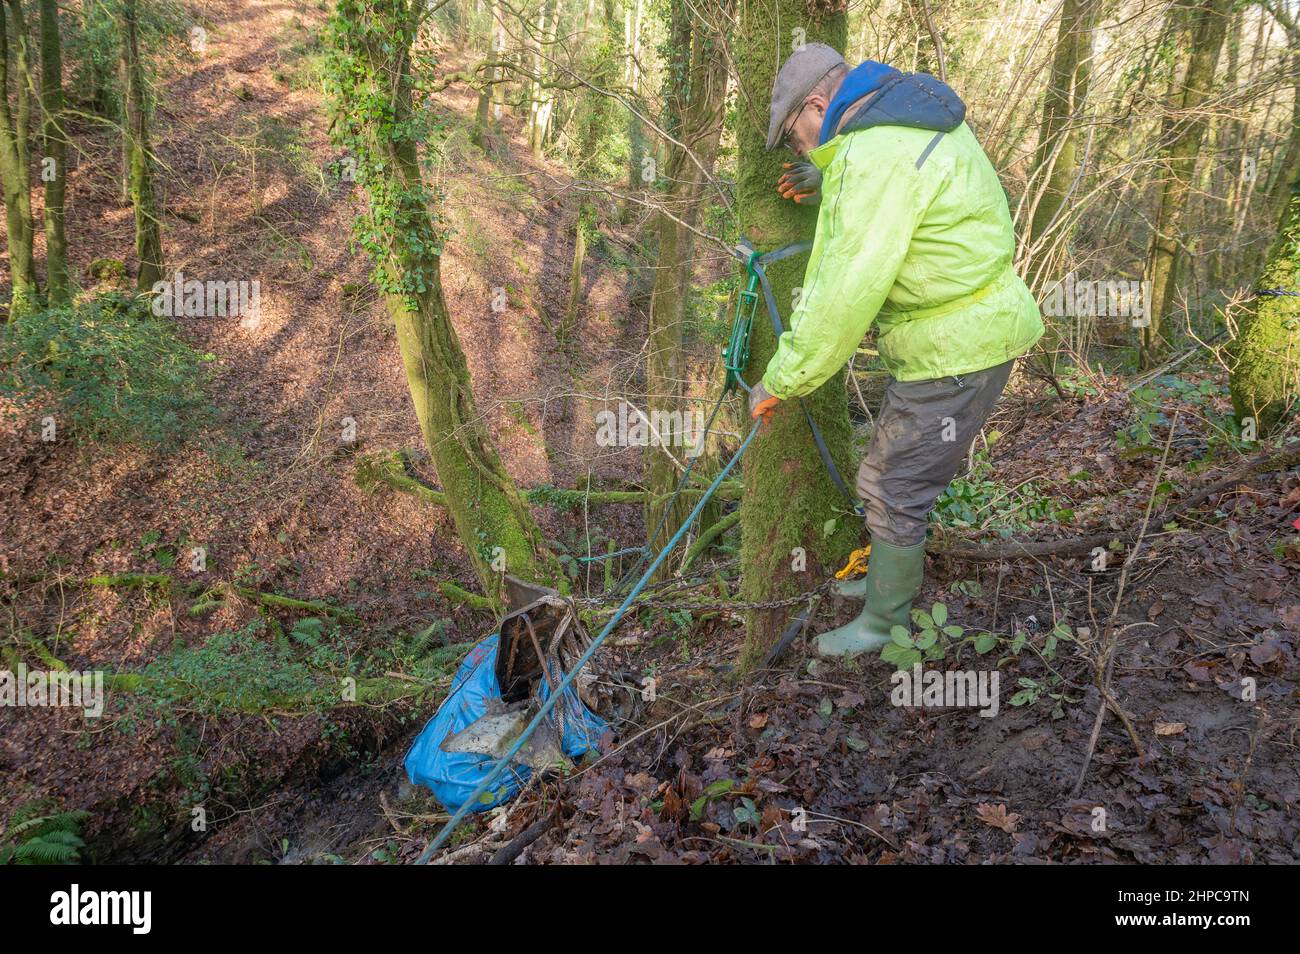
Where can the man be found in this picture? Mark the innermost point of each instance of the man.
(914, 234)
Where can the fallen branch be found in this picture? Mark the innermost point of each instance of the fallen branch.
(459, 595)
(389, 470)
(130, 581)
(1104, 663)
(164, 581)
(708, 536)
(515, 848)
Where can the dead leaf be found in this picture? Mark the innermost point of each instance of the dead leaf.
(758, 720)
(1263, 653)
(997, 816)
(1171, 728)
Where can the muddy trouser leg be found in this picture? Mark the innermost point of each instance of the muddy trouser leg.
(922, 435)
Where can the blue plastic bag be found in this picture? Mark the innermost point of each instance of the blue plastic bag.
(453, 776)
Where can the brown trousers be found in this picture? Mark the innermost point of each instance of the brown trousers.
(922, 435)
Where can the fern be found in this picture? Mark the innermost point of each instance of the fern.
(35, 839)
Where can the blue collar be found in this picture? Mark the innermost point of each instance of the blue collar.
(867, 77)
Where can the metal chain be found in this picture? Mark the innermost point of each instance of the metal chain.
(735, 605)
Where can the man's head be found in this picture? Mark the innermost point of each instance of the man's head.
(803, 90)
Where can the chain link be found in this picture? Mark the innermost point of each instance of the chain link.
(733, 605)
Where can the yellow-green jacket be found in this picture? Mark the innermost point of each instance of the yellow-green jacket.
(923, 252)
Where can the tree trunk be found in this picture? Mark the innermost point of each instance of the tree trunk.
(483, 131)
(584, 224)
(54, 163)
(698, 86)
(1289, 165)
(788, 497)
(372, 90)
(15, 164)
(148, 226)
(1056, 159)
(1265, 374)
(1200, 26)
(542, 101)
(1227, 190)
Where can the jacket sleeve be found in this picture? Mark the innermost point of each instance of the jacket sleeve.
(869, 210)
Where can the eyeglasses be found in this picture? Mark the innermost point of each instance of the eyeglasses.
(784, 141)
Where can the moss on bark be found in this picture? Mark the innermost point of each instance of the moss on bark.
(1265, 375)
(789, 497)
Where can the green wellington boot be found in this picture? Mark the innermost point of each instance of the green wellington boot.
(893, 579)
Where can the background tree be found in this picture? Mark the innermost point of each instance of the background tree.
(54, 162)
(1197, 30)
(1056, 159)
(15, 160)
(695, 91)
(377, 117)
(1265, 377)
(148, 223)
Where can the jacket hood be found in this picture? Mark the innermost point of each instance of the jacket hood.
(915, 100)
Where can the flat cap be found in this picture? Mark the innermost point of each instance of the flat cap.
(801, 71)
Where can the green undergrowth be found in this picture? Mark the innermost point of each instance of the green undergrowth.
(106, 371)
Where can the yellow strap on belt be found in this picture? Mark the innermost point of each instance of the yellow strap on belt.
(857, 563)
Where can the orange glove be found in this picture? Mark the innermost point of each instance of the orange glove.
(762, 404)
(801, 182)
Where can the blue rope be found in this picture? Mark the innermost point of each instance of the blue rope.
(757, 264)
(559, 691)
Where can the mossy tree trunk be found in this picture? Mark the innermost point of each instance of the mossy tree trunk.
(1265, 374)
(696, 88)
(1199, 27)
(54, 163)
(144, 202)
(789, 497)
(597, 120)
(15, 162)
(378, 119)
(1289, 168)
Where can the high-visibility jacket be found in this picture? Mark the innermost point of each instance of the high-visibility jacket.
(913, 234)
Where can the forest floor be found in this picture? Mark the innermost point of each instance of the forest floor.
(718, 768)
